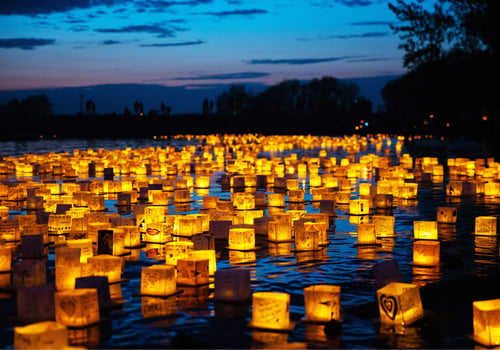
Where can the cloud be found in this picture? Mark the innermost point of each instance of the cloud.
(226, 76)
(24, 43)
(348, 3)
(372, 23)
(36, 7)
(183, 43)
(111, 42)
(237, 13)
(161, 31)
(373, 59)
(299, 61)
(347, 36)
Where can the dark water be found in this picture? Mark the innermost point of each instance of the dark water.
(193, 320)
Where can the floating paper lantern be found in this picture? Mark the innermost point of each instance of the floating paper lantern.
(158, 280)
(5, 259)
(425, 229)
(307, 235)
(243, 200)
(85, 245)
(192, 271)
(188, 225)
(359, 207)
(241, 238)
(232, 285)
(447, 215)
(486, 314)
(366, 234)
(59, 223)
(271, 310)
(106, 265)
(207, 254)
(177, 250)
(77, 307)
(426, 253)
(35, 304)
(279, 231)
(322, 303)
(9, 230)
(29, 273)
(384, 225)
(486, 225)
(327, 206)
(132, 236)
(182, 196)
(210, 202)
(41, 335)
(32, 246)
(399, 303)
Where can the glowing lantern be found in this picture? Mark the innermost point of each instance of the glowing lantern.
(158, 280)
(132, 236)
(177, 250)
(454, 188)
(384, 225)
(425, 229)
(322, 303)
(359, 207)
(188, 225)
(85, 246)
(77, 307)
(243, 200)
(447, 215)
(366, 234)
(41, 335)
(366, 189)
(182, 196)
(307, 235)
(296, 196)
(271, 310)
(210, 202)
(279, 231)
(399, 303)
(106, 265)
(68, 267)
(59, 223)
(207, 254)
(241, 238)
(485, 321)
(343, 197)
(5, 259)
(276, 199)
(9, 230)
(486, 225)
(192, 271)
(426, 253)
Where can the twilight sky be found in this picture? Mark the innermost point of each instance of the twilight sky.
(60, 43)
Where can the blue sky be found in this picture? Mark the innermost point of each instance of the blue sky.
(195, 43)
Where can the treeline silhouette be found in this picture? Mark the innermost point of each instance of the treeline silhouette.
(321, 106)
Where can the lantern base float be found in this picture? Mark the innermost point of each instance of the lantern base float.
(304, 319)
(243, 250)
(290, 328)
(178, 291)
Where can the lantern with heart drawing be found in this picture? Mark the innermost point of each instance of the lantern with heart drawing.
(77, 307)
(399, 303)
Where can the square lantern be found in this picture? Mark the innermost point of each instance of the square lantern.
(232, 285)
(77, 307)
(425, 230)
(41, 335)
(366, 234)
(384, 225)
(177, 250)
(243, 200)
(207, 254)
(182, 196)
(188, 225)
(132, 236)
(5, 259)
(85, 245)
(446, 215)
(322, 303)
(192, 271)
(279, 231)
(9, 230)
(29, 273)
(359, 207)
(383, 201)
(158, 280)
(241, 238)
(307, 235)
(486, 314)
(486, 225)
(271, 310)
(426, 253)
(399, 304)
(276, 199)
(32, 246)
(296, 196)
(107, 265)
(156, 232)
(35, 304)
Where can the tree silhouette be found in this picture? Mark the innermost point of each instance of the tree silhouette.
(138, 108)
(234, 102)
(90, 107)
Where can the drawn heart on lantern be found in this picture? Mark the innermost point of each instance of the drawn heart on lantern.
(389, 306)
(68, 306)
